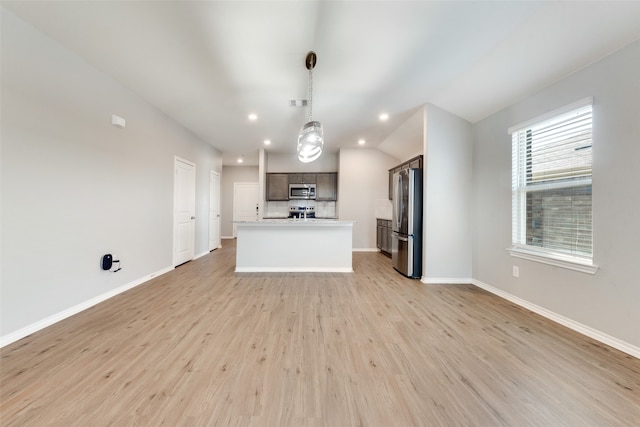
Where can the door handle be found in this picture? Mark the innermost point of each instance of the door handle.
(193, 217)
(402, 239)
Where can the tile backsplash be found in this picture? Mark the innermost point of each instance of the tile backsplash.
(383, 208)
(281, 209)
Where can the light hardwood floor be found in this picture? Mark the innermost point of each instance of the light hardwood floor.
(202, 345)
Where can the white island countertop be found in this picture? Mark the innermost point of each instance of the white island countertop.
(292, 221)
(294, 245)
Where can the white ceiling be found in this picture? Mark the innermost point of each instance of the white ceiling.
(208, 64)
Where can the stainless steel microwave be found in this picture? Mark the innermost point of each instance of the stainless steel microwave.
(302, 191)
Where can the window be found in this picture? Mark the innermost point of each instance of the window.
(551, 188)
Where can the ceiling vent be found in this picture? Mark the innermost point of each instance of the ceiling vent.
(298, 103)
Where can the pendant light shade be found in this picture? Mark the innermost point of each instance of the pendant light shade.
(310, 142)
(311, 136)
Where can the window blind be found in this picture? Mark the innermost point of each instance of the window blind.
(551, 184)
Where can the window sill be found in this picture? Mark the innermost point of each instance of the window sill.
(558, 261)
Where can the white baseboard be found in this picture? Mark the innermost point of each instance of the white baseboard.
(48, 321)
(365, 250)
(201, 254)
(569, 323)
(446, 280)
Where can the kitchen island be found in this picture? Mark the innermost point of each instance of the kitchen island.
(294, 245)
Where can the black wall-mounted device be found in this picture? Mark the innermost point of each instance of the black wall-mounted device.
(107, 262)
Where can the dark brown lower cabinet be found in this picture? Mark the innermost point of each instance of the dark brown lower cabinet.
(383, 235)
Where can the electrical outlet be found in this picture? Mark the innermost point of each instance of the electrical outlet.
(516, 271)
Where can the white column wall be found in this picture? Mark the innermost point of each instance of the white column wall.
(447, 198)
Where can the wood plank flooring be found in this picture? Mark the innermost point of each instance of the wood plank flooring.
(204, 346)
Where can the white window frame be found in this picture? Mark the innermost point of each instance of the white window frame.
(533, 253)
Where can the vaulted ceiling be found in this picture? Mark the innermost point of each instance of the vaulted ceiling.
(208, 64)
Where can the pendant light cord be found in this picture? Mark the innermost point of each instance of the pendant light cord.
(310, 94)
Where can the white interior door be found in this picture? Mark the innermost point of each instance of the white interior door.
(214, 210)
(184, 208)
(245, 202)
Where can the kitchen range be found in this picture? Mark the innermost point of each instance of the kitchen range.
(303, 212)
(299, 209)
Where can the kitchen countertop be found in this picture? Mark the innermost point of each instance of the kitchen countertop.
(296, 222)
(286, 217)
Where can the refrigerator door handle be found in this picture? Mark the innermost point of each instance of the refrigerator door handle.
(397, 195)
(403, 239)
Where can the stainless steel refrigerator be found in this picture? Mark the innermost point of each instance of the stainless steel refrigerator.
(406, 235)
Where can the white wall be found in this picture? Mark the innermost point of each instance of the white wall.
(74, 187)
(231, 175)
(608, 301)
(447, 198)
(406, 141)
(363, 178)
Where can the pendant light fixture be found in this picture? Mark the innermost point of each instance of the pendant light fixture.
(311, 136)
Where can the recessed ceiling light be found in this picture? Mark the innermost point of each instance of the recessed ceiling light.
(383, 117)
(240, 160)
(267, 142)
(362, 141)
(253, 117)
